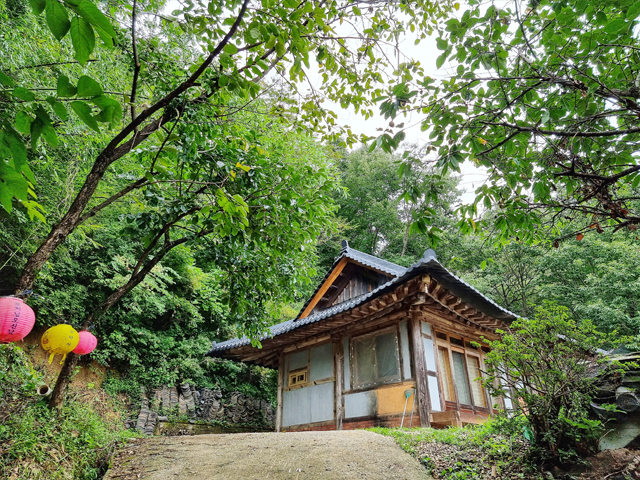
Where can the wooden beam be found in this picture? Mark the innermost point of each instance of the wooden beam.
(419, 299)
(447, 308)
(375, 322)
(420, 368)
(280, 388)
(307, 343)
(338, 364)
(325, 286)
(313, 333)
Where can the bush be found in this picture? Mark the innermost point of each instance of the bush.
(551, 367)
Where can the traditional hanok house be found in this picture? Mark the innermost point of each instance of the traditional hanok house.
(373, 334)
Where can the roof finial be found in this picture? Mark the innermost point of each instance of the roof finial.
(345, 245)
(429, 254)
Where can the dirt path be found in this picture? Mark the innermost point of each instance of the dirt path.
(262, 456)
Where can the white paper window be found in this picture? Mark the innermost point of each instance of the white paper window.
(460, 378)
(475, 377)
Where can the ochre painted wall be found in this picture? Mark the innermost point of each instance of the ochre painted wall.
(392, 399)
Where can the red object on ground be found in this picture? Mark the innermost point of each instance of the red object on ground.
(16, 319)
(86, 344)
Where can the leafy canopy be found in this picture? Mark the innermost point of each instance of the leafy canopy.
(544, 95)
(203, 54)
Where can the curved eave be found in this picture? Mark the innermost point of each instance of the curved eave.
(428, 265)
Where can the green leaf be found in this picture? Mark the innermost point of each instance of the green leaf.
(271, 42)
(6, 81)
(58, 107)
(23, 122)
(615, 25)
(28, 173)
(95, 17)
(442, 44)
(16, 146)
(36, 130)
(223, 80)
(110, 109)
(38, 6)
(440, 60)
(88, 87)
(83, 39)
(64, 87)
(105, 115)
(83, 110)
(5, 198)
(634, 11)
(230, 48)
(57, 19)
(290, 3)
(47, 131)
(49, 134)
(107, 40)
(24, 94)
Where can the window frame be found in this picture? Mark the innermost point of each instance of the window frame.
(355, 384)
(466, 351)
(293, 374)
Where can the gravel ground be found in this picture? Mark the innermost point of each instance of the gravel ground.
(274, 456)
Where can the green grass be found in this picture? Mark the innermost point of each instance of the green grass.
(469, 452)
(36, 443)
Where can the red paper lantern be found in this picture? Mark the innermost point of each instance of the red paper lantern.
(86, 344)
(16, 319)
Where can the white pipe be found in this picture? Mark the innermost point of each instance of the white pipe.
(44, 390)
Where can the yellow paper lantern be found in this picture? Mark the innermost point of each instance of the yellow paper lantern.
(60, 340)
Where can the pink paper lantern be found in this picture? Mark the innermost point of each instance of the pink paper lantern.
(16, 319)
(86, 344)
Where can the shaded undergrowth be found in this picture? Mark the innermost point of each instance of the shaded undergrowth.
(75, 442)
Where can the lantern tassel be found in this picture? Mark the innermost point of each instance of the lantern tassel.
(63, 357)
(51, 358)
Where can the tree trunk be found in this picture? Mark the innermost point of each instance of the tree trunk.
(73, 217)
(57, 397)
(66, 373)
(115, 150)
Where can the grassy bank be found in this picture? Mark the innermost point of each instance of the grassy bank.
(37, 443)
(491, 451)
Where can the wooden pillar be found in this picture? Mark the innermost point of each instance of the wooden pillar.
(338, 364)
(280, 389)
(420, 368)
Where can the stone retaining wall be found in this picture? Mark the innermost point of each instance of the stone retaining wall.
(202, 405)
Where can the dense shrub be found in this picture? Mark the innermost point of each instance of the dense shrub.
(551, 366)
(492, 450)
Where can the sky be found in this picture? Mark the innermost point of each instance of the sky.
(426, 53)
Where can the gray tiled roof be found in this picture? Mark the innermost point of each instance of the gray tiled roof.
(427, 264)
(373, 262)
